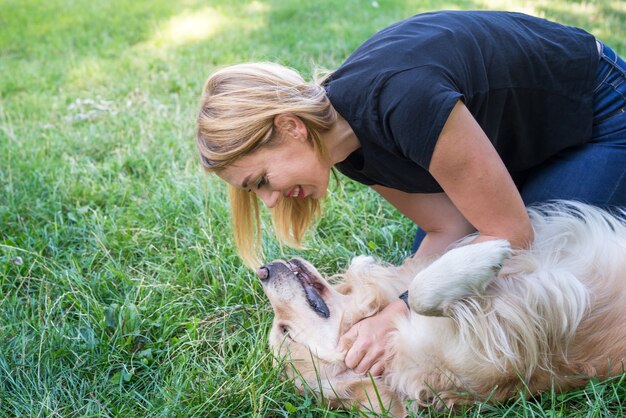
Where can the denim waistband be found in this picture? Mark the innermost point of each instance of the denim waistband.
(609, 93)
(606, 52)
(611, 57)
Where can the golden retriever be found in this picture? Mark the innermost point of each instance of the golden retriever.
(485, 322)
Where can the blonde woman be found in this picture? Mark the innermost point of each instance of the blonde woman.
(458, 119)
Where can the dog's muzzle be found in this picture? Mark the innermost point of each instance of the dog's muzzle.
(294, 268)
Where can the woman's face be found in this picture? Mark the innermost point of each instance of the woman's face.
(290, 169)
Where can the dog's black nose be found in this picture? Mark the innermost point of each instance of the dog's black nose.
(263, 272)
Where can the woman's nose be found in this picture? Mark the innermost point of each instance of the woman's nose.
(269, 198)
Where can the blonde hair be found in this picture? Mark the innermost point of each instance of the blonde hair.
(237, 111)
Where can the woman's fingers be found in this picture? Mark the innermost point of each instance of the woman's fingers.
(364, 343)
(378, 368)
(372, 355)
(347, 340)
(354, 345)
(363, 346)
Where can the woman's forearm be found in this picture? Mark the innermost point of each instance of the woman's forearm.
(436, 242)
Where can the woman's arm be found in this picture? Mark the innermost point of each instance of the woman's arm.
(434, 213)
(479, 191)
(474, 178)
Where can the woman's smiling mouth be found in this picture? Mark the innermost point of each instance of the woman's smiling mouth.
(297, 191)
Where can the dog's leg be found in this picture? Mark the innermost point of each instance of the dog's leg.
(461, 272)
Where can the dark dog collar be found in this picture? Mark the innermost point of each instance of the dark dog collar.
(405, 298)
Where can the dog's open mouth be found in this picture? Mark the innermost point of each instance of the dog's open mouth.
(312, 287)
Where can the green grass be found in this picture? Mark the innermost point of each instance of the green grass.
(120, 293)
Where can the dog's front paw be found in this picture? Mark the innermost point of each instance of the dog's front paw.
(461, 272)
(479, 263)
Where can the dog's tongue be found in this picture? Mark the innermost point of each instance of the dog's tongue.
(313, 296)
(315, 300)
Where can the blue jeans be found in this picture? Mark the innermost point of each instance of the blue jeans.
(595, 172)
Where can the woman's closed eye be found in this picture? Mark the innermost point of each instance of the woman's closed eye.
(261, 182)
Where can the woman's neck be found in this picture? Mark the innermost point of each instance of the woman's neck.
(340, 141)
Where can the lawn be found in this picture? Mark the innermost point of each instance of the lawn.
(120, 293)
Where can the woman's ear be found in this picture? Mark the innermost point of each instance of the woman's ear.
(292, 125)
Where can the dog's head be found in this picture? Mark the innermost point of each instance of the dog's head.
(310, 315)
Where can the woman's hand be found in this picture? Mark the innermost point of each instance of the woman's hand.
(365, 342)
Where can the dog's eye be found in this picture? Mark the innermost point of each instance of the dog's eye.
(284, 330)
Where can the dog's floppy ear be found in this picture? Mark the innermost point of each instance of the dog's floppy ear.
(367, 282)
(359, 269)
(340, 389)
(365, 394)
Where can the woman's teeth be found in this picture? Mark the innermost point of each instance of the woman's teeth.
(296, 192)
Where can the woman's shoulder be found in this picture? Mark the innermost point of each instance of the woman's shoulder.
(443, 37)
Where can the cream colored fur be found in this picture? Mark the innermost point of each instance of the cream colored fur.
(486, 322)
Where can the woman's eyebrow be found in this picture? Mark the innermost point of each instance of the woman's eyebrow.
(244, 185)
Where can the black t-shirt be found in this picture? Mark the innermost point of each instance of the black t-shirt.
(527, 81)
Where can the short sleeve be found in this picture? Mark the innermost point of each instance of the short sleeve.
(414, 105)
